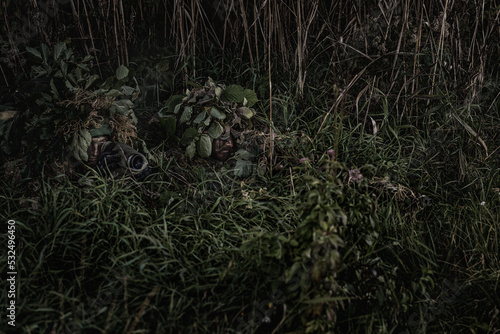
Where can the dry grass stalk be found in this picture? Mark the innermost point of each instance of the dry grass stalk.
(76, 15)
(180, 45)
(194, 23)
(440, 46)
(124, 33)
(293, 30)
(93, 49)
(255, 24)
(271, 125)
(303, 28)
(123, 128)
(416, 62)
(247, 32)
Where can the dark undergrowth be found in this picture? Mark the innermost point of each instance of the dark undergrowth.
(372, 204)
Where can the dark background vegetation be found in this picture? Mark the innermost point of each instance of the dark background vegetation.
(404, 92)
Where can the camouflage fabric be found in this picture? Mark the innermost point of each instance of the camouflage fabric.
(103, 130)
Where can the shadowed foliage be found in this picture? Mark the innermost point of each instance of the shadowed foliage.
(364, 195)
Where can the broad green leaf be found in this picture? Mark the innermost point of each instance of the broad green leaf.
(172, 102)
(193, 84)
(91, 80)
(69, 85)
(177, 108)
(58, 49)
(245, 112)
(215, 130)
(72, 79)
(78, 73)
(68, 54)
(233, 93)
(64, 67)
(85, 139)
(205, 146)
(205, 99)
(83, 155)
(243, 168)
(218, 91)
(45, 52)
(84, 67)
(121, 107)
(191, 150)
(168, 124)
(53, 89)
(121, 72)
(163, 112)
(108, 83)
(186, 115)
(80, 144)
(127, 90)
(201, 116)
(189, 135)
(251, 97)
(125, 102)
(132, 117)
(114, 93)
(38, 71)
(207, 121)
(243, 155)
(34, 52)
(121, 110)
(44, 100)
(215, 113)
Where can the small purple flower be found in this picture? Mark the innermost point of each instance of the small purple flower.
(303, 160)
(355, 175)
(331, 153)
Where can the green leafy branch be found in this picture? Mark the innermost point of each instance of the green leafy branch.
(202, 114)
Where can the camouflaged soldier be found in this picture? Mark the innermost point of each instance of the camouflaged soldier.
(115, 159)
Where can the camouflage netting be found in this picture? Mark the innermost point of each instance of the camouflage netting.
(61, 107)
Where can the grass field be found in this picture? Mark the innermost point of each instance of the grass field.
(373, 205)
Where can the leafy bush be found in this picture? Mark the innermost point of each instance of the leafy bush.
(332, 246)
(205, 113)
